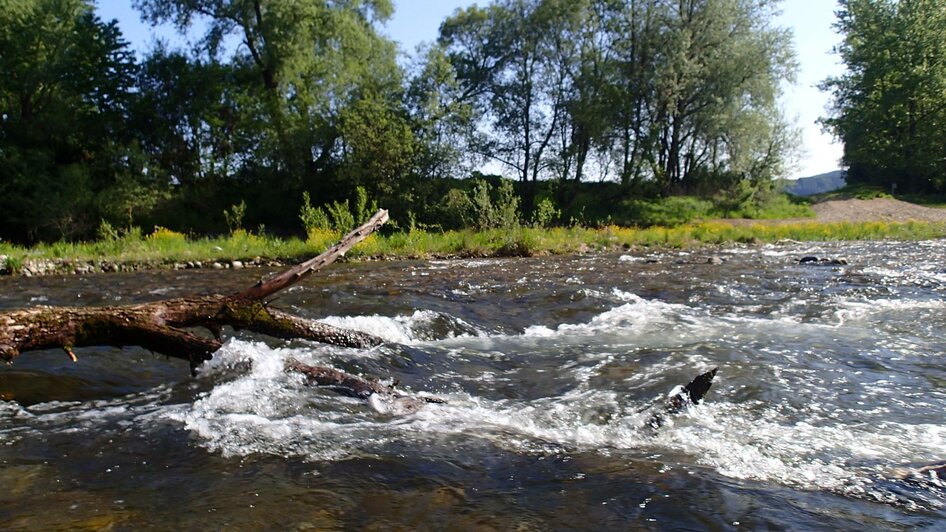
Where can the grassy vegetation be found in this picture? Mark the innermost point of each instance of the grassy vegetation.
(855, 191)
(602, 204)
(869, 192)
(164, 247)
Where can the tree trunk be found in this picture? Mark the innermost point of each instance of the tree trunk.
(161, 326)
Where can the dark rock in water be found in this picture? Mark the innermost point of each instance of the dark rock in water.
(691, 394)
(698, 387)
(822, 261)
(715, 259)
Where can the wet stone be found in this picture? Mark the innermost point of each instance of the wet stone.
(822, 261)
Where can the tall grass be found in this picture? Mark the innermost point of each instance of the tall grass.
(167, 247)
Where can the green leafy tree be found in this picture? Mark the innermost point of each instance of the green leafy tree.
(680, 94)
(890, 105)
(64, 140)
(320, 92)
(502, 56)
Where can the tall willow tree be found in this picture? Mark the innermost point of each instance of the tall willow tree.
(678, 93)
(890, 105)
(320, 99)
(696, 91)
(65, 153)
(502, 57)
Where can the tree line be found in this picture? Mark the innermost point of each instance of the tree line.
(890, 104)
(627, 99)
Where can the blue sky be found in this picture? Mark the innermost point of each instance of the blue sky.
(416, 21)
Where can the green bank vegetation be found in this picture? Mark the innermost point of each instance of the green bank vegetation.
(165, 248)
(487, 225)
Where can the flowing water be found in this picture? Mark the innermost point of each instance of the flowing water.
(831, 386)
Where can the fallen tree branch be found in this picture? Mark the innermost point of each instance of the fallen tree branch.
(161, 326)
(382, 397)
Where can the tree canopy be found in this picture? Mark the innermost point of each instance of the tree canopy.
(65, 150)
(890, 104)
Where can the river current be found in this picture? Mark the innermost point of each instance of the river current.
(831, 391)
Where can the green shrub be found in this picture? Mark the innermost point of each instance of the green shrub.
(506, 206)
(736, 200)
(778, 207)
(12, 265)
(107, 233)
(313, 218)
(494, 208)
(545, 213)
(363, 209)
(343, 220)
(234, 216)
(456, 209)
(667, 212)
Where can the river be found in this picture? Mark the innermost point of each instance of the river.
(831, 385)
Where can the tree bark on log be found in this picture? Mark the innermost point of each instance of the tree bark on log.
(161, 326)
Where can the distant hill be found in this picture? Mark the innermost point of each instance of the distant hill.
(817, 184)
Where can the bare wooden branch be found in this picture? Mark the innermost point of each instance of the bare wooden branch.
(387, 396)
(293, 275)
(159, 326)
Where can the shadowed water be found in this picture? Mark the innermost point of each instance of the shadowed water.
(831, 385)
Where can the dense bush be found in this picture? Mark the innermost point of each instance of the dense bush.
(667, 212)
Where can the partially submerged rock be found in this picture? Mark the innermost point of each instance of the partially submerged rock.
(682, 397)
(822, 261)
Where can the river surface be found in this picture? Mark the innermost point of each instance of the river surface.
(831, 385)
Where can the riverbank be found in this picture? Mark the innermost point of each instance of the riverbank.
(876, 219)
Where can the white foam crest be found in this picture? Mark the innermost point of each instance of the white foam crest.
(255, 412)
(11, 409)
(850, 310)
(637, 313)
(402, 329)
(649, 321)
(467, 263)
(807, 455)
(776, 252)
(267, 411)
(571, 421)
(396, 329)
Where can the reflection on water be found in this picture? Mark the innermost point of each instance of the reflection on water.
(830, 386)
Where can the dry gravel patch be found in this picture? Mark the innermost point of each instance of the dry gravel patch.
(875, 210)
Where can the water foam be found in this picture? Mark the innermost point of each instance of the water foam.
(421, 326)
(636, 314)
(266, 411)
(763, 446)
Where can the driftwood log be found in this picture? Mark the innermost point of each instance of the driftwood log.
(162, 326)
